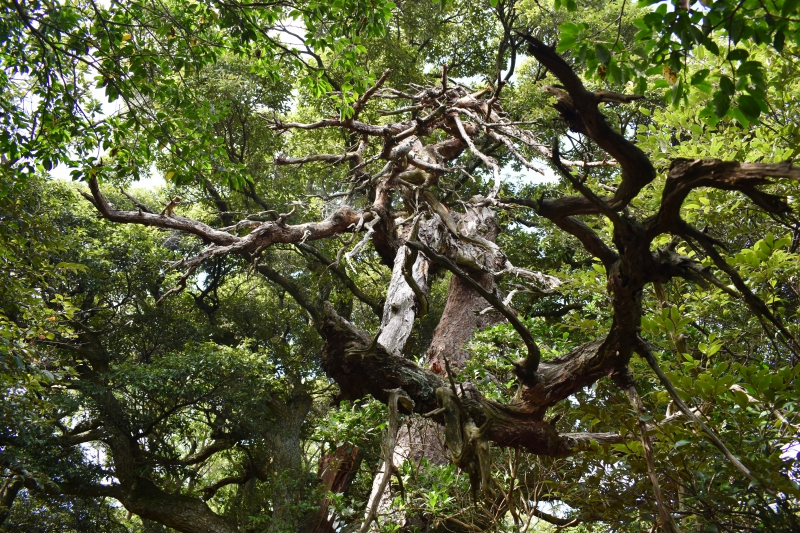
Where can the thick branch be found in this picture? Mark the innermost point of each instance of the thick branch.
(206, 233)
(686, 175)
(381, 371)
(333, 159)
(579, 107)
(201, 455)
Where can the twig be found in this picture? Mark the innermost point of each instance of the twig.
(667, 521)
(488, 161)
(362, 101)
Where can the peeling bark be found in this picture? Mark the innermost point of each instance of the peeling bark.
(399, 311)
(336, 471)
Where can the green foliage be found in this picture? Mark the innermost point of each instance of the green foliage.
(234, 357)
(149, 59)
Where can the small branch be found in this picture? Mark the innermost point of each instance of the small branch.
(135, 202)
(753, 301)
(363, 242)
(419, 163)
(333, 159)
(558, 312)
(551, 519)
(217, 446)
(205, 232)
(400, 111)
(314, 310)
(364, 98)
(667, 521)
(644, 350)
(211, 490)
(388, 450)
(333, 266)
(488, 161)
(179, 287)
(601, 205)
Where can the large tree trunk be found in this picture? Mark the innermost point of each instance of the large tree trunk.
(462, 316)
(290, 480)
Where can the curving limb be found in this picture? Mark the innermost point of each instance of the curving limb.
(580, 108)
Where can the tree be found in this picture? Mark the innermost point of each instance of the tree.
(609, 351)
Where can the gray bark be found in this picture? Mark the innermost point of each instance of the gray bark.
(400, 309)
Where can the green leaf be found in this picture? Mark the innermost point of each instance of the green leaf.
(749, 67)
(712, 47)
(565, 44)
(603, 55)
(74, 267)
(726, 85)
(789, 7)
(739, 54)
(749, 106)
(722, 102)
(740, 398)
(745, 122)
(779, 40)
(736, 28)
(569, 29)
(699, 76)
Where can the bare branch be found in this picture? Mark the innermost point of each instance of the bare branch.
(333, 159)
(206, 233)
(135, 202)
(488, 161)
(388, 450)
(364, 98)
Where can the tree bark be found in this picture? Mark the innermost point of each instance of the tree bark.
(8, 493)
(336, 471)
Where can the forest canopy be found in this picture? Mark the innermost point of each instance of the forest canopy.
(412, 266)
